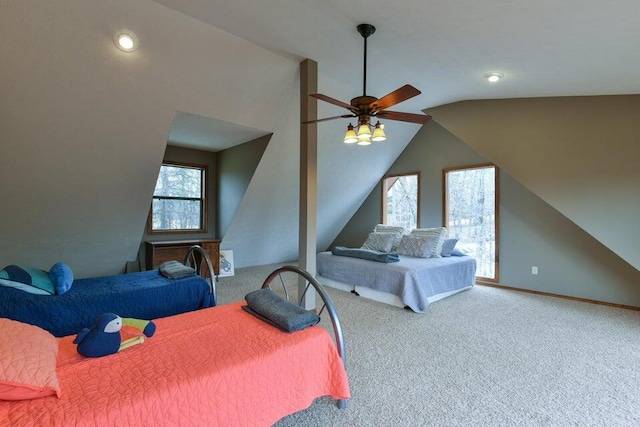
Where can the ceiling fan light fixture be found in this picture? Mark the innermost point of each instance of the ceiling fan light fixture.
(350, 137)
(493, 77)
(378, 133)
(366, 107)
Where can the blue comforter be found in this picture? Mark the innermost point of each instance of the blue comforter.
(144, 295)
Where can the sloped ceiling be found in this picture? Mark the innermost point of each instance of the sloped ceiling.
(579, 154)
(209, 134)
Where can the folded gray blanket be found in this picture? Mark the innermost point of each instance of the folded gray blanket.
(175, 270)
(285, 315)
(368, 254)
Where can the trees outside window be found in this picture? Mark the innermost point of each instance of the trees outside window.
(471, 214)
(401, 200)
(179, 199)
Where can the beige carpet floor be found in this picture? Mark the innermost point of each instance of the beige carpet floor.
(484, 357)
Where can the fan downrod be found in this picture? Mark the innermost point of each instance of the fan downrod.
(365, 31)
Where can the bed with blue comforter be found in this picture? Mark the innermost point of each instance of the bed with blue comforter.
(409, 282)
(142, 295)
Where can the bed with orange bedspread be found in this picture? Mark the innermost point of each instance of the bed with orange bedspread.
(216, 366)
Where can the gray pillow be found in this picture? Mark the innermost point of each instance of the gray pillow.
(463, 249)
(447, 247)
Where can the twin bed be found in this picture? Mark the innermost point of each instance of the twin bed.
(215, 366)
(410, 281)
(143, 295)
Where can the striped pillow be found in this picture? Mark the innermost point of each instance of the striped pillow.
(439, 233)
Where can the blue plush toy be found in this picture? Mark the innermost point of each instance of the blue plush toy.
(104, 338)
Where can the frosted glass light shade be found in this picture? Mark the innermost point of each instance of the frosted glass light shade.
(364, 131)
(350, 137)
(365, 140)
(378, 133)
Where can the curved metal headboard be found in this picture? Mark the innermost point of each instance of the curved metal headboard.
(328, 303)
(194, 258)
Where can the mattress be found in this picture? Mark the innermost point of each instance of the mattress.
(416, 282)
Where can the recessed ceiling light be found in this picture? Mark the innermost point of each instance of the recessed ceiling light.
(493, 77)
(125, 40)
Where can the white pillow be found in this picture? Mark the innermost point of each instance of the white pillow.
(440, 233)
(420, 246)
(380, 241)
(383, 228)
(399, 231)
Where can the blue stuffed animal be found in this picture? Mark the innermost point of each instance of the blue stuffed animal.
(104, 338)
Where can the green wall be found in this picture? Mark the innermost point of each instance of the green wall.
(570, 261)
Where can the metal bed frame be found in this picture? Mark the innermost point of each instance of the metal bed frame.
(327, 303)
(194, 259)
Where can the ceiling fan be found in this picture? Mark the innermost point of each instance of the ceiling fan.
(366, 107)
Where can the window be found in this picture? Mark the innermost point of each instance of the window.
(401, 200)
(179, 199)
(471, 214)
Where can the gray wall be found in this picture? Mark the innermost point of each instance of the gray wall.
(579, 154)
(85, 126)
(236, 166)
(570, 261)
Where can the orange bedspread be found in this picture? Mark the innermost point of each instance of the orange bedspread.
(217, 366)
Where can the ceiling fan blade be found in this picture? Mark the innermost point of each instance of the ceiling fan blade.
(344, 116)
(330, 100)
(404, 117)
(395, 97)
